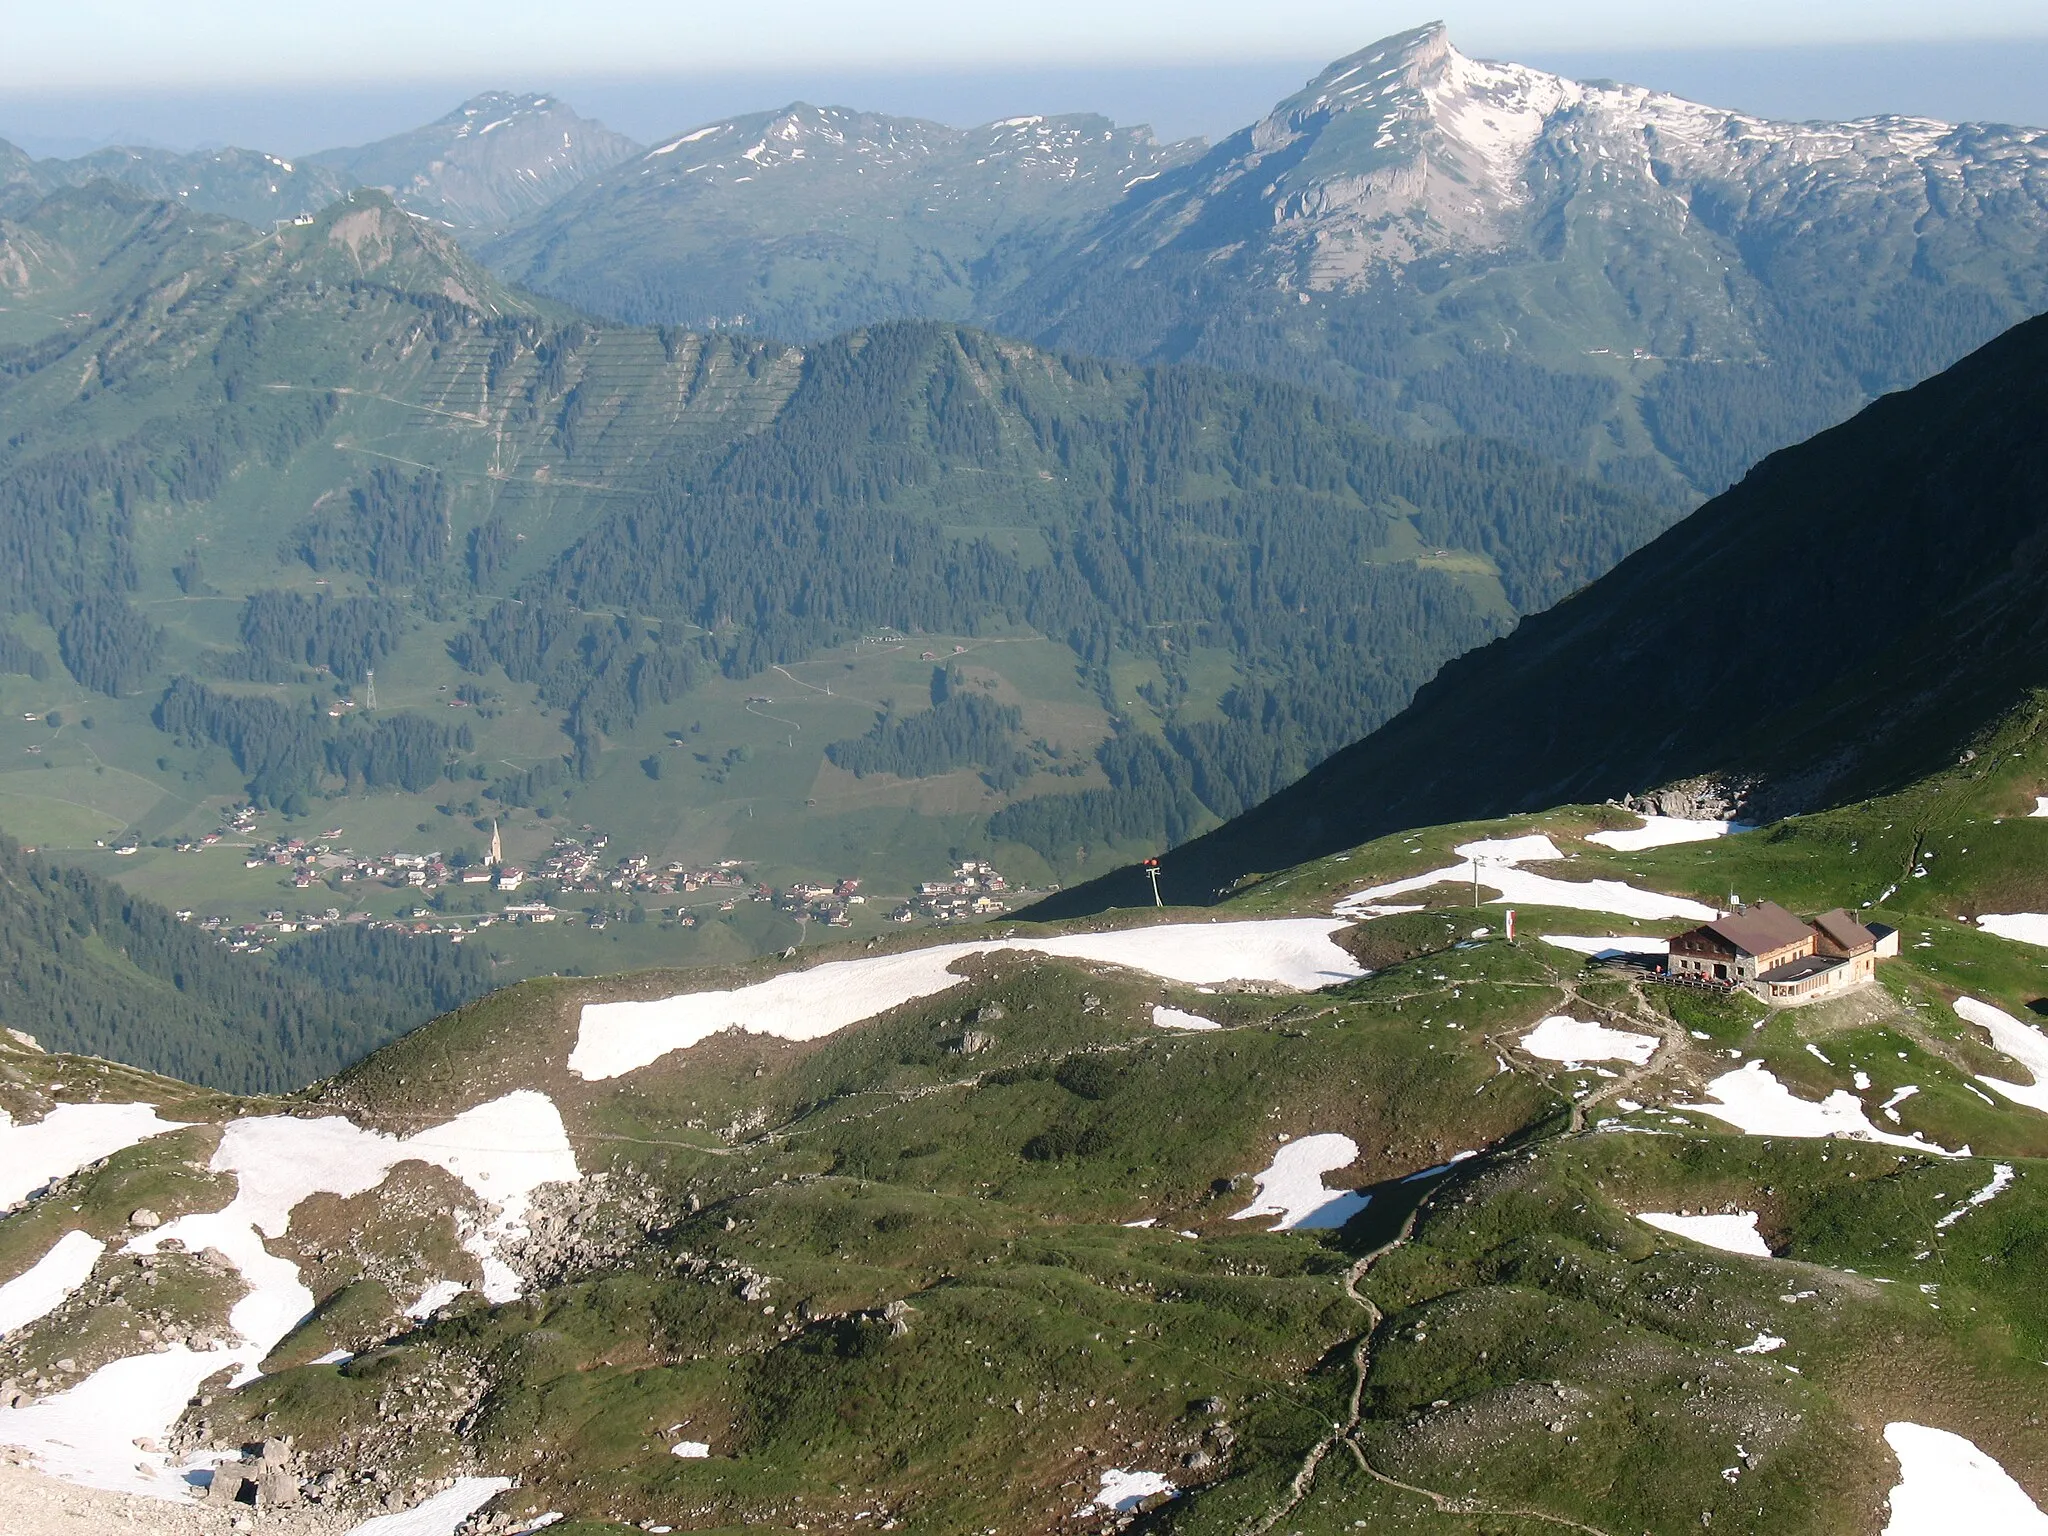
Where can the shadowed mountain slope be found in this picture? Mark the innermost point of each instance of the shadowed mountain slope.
(1840, 622)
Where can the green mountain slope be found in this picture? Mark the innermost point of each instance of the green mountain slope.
(243, 184)
(1846, 619)
(1001, 1249)
(331, 521)
(81, 253)
(809, 221)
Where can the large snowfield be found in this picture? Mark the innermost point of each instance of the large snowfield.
(1497, 864)
(503, 1151)
(615, 1038)
(42, 1288)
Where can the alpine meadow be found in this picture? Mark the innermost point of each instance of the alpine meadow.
(838, 822)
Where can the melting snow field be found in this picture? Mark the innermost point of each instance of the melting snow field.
(1663, 832)
(503, 1151)
(1499, 861)
(616, 1038)
(1292, 1187)
(2001, 1181)
(2022, 1042)
(1753, 1101)
(1123, 1490)
(440, 1515)
(66, 1139)
(42, 1289)
(1573, 1041)
(1605, 945)
(1735, 1233)
(1947, 1485)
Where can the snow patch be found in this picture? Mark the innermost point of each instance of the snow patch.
(1735, 1233)
(1663, 832)
(66, 1139)
(2022, 1042)
(1292, 1186)
(690, 1450)
(2001, 1180)
(43, 1288)
(616, 1038)
(435, 1297)
(1573, 1041)
(1123, 1490)
(1753, 1101)
(689, 138)
(440, 1515)
(1946, 1484)
(1764, 1344)
(1178, 1018)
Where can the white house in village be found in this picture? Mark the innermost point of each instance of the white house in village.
(1783, 959)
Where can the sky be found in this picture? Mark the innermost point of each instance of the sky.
(96, 44)
(291, 77)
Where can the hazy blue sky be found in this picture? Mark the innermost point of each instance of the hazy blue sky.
(75, 76)
(99, 43)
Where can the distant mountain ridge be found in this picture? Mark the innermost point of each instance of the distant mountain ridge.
(491, 160)
(1653, 288)
(1639, 286)
(1847, 619)
(809, 220)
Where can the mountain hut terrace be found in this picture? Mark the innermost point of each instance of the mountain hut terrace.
(1783, 959)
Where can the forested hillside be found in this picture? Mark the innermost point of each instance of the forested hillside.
(86, 967)
(1180, 517)
(1845, 620)
(331, 524)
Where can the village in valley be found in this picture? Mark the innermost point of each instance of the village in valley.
(578, 880)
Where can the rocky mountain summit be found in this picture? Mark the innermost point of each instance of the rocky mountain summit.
(491, 161)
